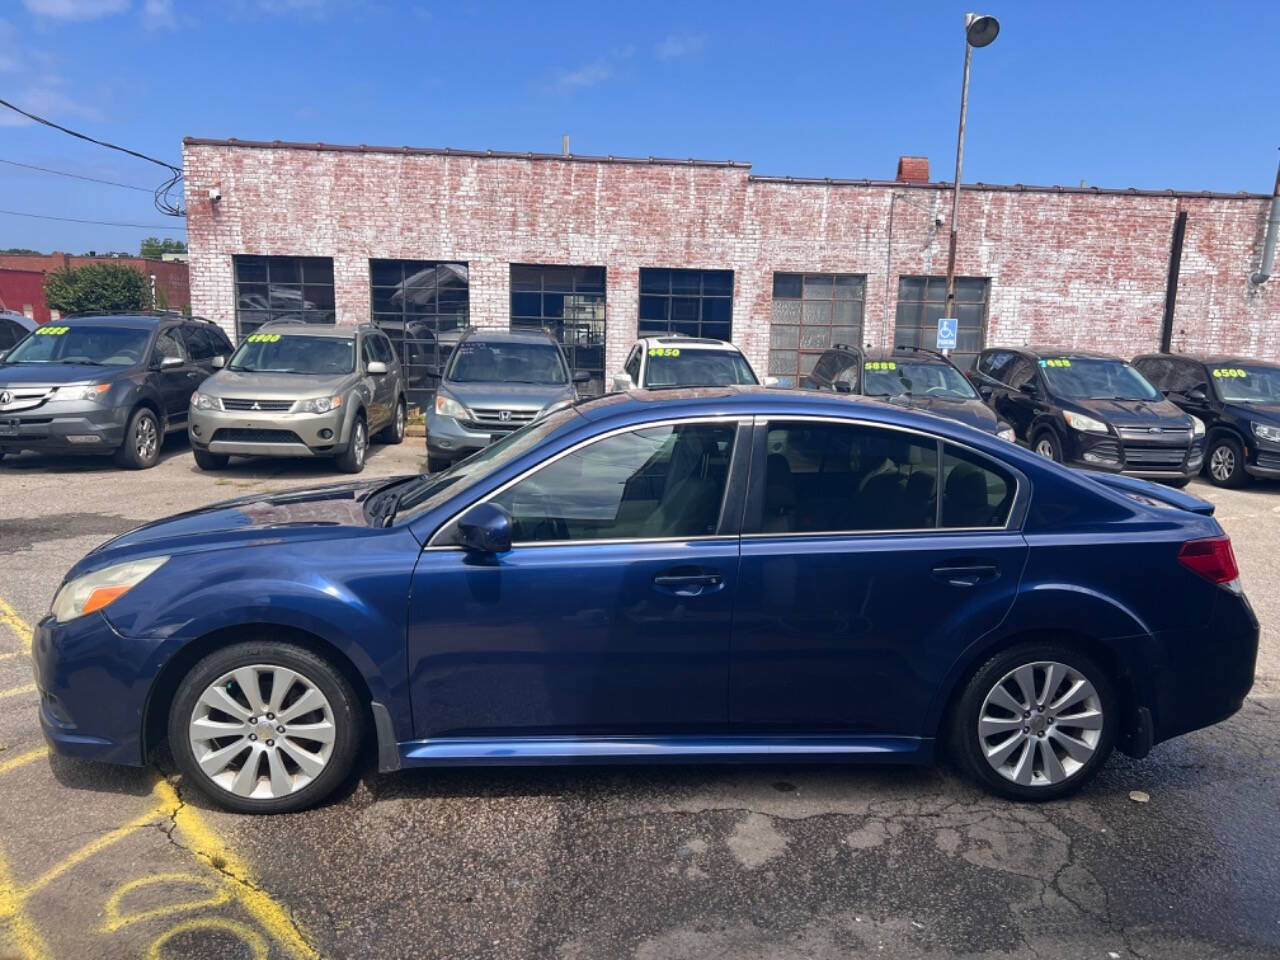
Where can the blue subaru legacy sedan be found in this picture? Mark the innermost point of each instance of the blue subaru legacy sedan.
(697, 575)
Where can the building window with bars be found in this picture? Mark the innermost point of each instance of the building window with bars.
(812, 312)
(282, 288)
(568, 302)
(423, 306)
(698, 303)
(922, 301)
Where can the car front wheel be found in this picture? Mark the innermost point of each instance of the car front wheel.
(142, 439)
(1046, 444)
(351, 460)
(1225, 463)
(1036, 722)
(265, 727)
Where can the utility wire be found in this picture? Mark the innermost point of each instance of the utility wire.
(104, 223)
(76, 176)
(161, 195)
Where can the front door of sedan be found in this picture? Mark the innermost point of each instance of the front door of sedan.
(612, 612)
(857, 590)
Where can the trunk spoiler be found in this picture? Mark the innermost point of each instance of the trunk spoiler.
(1153, 491)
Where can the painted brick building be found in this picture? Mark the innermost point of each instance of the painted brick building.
(425, 240)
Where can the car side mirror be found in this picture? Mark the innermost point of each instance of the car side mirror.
(581, 376)
(485, 528)
(985, 391)
(622, 382)
(1196, 395)
(3, 354)
(376, 367)
(843, 386)
(167, 363)
(218, 362)
(1030, 389)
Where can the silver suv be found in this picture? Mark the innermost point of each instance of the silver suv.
(292, 390)
(495, 381)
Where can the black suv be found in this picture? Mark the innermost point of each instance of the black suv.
(1238, 400)
(1090, 410)
(913, 376)
(105, 384)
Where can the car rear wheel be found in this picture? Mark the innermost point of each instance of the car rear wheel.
(265, 727)
(210, 461)
(394, 431)
(1225, 463)
(142, 439)
(1046, 444)
(1036, 722)
(351, 460)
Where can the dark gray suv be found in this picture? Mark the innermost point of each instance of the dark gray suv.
(105, 384)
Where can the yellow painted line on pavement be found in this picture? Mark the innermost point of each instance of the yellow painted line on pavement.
(10, 655)
(21, 629)
(22, 759)
(18, 691)
(16, 928)
(94, 846)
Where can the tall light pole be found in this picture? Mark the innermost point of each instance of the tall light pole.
(979, 31)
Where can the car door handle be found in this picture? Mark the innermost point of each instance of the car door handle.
(960, 573)
(688, 581)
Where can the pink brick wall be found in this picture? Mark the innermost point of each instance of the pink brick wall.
(1074, 268)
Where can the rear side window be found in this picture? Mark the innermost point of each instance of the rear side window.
(975, 492)
(646, 484)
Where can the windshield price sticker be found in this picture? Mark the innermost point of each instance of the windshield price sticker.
(880, 365)
(263, 337)
(1229, 372)
(1064, 362)
(51, 331)
(665, 352)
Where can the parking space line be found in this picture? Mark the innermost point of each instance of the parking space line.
(9, 617)
(97, 845)
(14, 922)
(18, 691)
(22, 759)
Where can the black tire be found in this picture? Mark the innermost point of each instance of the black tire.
(210, 461)
(143, 438)
(436, 464)
(347, 721)
(351, 460)
(393, 432)
(967, 745)
(1224, 463)
(1046, 444)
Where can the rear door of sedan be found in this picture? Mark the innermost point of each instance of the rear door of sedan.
(858, 589)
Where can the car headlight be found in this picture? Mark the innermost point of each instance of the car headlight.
(202, 401)
(318, 404)
(446, 406)
(1265, 432)
(93, 391)
(1197, 427)
(93, 591)
(1006, 433)
(1085, 424)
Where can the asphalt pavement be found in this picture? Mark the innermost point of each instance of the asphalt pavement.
(720, 862)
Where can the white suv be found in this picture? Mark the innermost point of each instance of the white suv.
(679, 361)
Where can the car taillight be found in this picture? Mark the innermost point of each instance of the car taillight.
(1212, 559)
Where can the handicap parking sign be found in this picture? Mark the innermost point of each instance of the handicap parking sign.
(947, 333)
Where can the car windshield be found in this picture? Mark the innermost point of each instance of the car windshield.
(487, 361)
(282, 353)
(673, 367)
(893, 378)
(1247, 384)
(1091, 378)
(88, 344)
(430, 491)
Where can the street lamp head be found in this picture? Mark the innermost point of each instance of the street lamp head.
(980, 29)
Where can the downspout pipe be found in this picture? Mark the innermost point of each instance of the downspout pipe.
(1269, 245)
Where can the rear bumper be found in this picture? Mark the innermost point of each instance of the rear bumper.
(92, 431)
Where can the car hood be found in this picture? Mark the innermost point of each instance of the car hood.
(288, 386)
(241, 522)
(515, 396)
(1135, 413)
(15, 374)
(1265, 412)
(975, 413)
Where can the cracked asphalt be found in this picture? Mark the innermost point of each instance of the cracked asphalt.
(739, 862)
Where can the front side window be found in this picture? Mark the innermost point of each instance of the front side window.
(1093, 378)
(1248, 383)
(168, 347)
(674, 367)
(812, 312)
(493, 361)
(89, 345)
(657, 482)
(836, 366)
(282, 288)
(697, 303)
(282, 353)
(836, 477)
(916, 379)
(200, 344)
(633, 367)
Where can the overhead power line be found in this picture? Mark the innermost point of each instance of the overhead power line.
(105, 223)
(161, 195)
(76, 176)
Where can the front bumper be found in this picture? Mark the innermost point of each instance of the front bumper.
(1148, 461)
(1264, 459)
(64, 427)
(247, 433)
(449, 439)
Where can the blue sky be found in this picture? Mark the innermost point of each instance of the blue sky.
(1168, 94)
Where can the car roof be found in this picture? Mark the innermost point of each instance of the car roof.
(689, 343)
(1213, 359)
(1043, 353)
(509, 336)
(140, 321)
(317, 329)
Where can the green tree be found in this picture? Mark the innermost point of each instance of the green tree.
(97, 287)
(155, 247)
(26, 251)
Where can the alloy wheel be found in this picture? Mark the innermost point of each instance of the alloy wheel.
(145, 438)
(358, 441)
(262, 731)
(1222, 464)
(1041, 724)
(400, 420)
(1044, 447)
